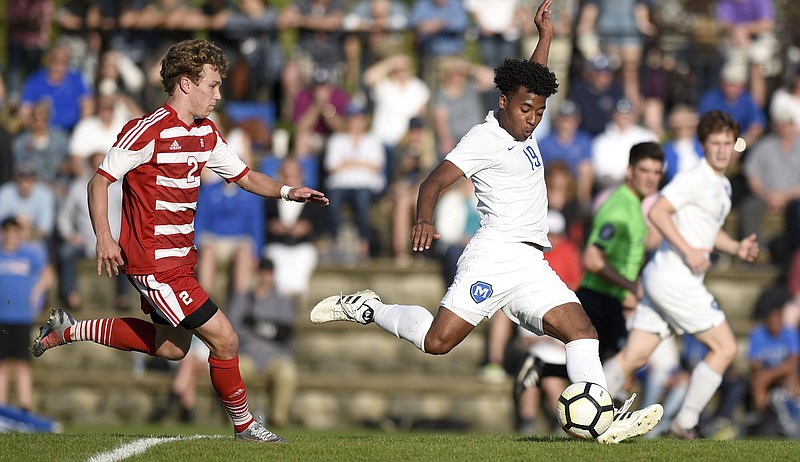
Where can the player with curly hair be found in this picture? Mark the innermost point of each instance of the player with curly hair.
(503, 266)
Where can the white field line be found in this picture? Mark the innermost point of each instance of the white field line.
(140, 446)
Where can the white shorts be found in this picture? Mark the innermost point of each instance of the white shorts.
(675, 302)
(511, 276)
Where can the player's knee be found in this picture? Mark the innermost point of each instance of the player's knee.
(437, 346)
(225, 346)
(171, 352)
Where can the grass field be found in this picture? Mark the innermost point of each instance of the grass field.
(179, 443)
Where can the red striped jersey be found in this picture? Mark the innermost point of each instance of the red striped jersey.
(160, 159)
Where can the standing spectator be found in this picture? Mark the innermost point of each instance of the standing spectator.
(569, 144)
(265, 321)
(44, 147)
(620, 26)
(439, 27)
(30, 201)
(398, 96)
(786, 99)
(355, 163)
(683, 151)
(609, 148)
(458, 106)
(498, 27)
(28, 26)
(772, 170)
(291, 229)
(77, 236)
(319, 111)
(732, 97)
(320, 38)
(377, 29)
(25, 277)
(63, 87)
(596, 93)
(773, 356)
(749, 39)
(615, 250)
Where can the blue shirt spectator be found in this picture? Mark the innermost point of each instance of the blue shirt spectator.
(229, 211)
(440, 26)
(30, 201)
(732, 97)
(21, 269)
(773, 350)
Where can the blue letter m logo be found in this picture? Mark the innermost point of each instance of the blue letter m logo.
(480, 291)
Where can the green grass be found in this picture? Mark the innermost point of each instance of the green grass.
(81, 443)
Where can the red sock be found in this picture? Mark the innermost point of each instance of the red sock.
(228, 383)
(127, 334)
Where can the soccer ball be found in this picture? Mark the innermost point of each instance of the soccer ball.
(585, 410)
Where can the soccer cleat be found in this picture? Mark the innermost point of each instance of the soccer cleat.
(528, 375)
(258, 433)
(683, 433)
(51, 334)
(629, 424)
(345, 308)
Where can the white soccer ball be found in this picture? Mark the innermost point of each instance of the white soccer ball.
(585, 410)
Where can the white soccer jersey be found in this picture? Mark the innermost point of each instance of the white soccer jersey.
(702, 201)
(509, 183)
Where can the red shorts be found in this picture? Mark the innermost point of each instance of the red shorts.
(173, 294)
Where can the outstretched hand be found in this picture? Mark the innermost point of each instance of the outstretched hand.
(306, 194)
(542, 19)
(422, 236)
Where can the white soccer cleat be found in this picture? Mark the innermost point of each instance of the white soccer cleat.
(629, 424)
(258, 433)
(51, 334)
(340, 307)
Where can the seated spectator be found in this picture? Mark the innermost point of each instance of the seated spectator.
(183, 389)
(439, 28)
(499, 29)
(748, 28)
(355, 164)
(229, 229)
(786, 99)
(456, 220)
(30, 201)
(28, 23)
(611, 147)
(83, 42)
(569, 144)
(118, 75)
(265, 321)
(291, 229)
(772, 170)
(683, 150)
(540, 381)
(596, 92)
(733, 98)
(414, 159)
(562, 197)
(398, 96)
(96, 133)
(319, 111)
(25, 277)
(44, 147)
(773, 356)
(62, 86)
(458, 105)
(77, 235)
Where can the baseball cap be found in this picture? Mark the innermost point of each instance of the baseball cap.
(26, 169)
(568, 108)
(355, 109)
(601, 62)
(623, 106)
(321, 75)
(416, 122)
(734, 73)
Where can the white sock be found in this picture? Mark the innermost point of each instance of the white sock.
(409, 322)
(615, 377)
(702, 386)
(583, 362)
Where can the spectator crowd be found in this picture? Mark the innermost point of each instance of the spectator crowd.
(362, 98)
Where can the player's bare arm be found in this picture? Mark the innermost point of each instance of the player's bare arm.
(258, 183)
(109, 254)
(595, 261)
(661, 217)
(746, 249)
(423, 233)
(545, 27)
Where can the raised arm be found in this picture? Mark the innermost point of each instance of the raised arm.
(545, 27)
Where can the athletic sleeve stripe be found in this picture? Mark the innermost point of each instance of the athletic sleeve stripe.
(127, 141)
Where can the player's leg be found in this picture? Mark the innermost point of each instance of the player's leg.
(570, 324)
(23, 381)
(706, 377)
(218, 334)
